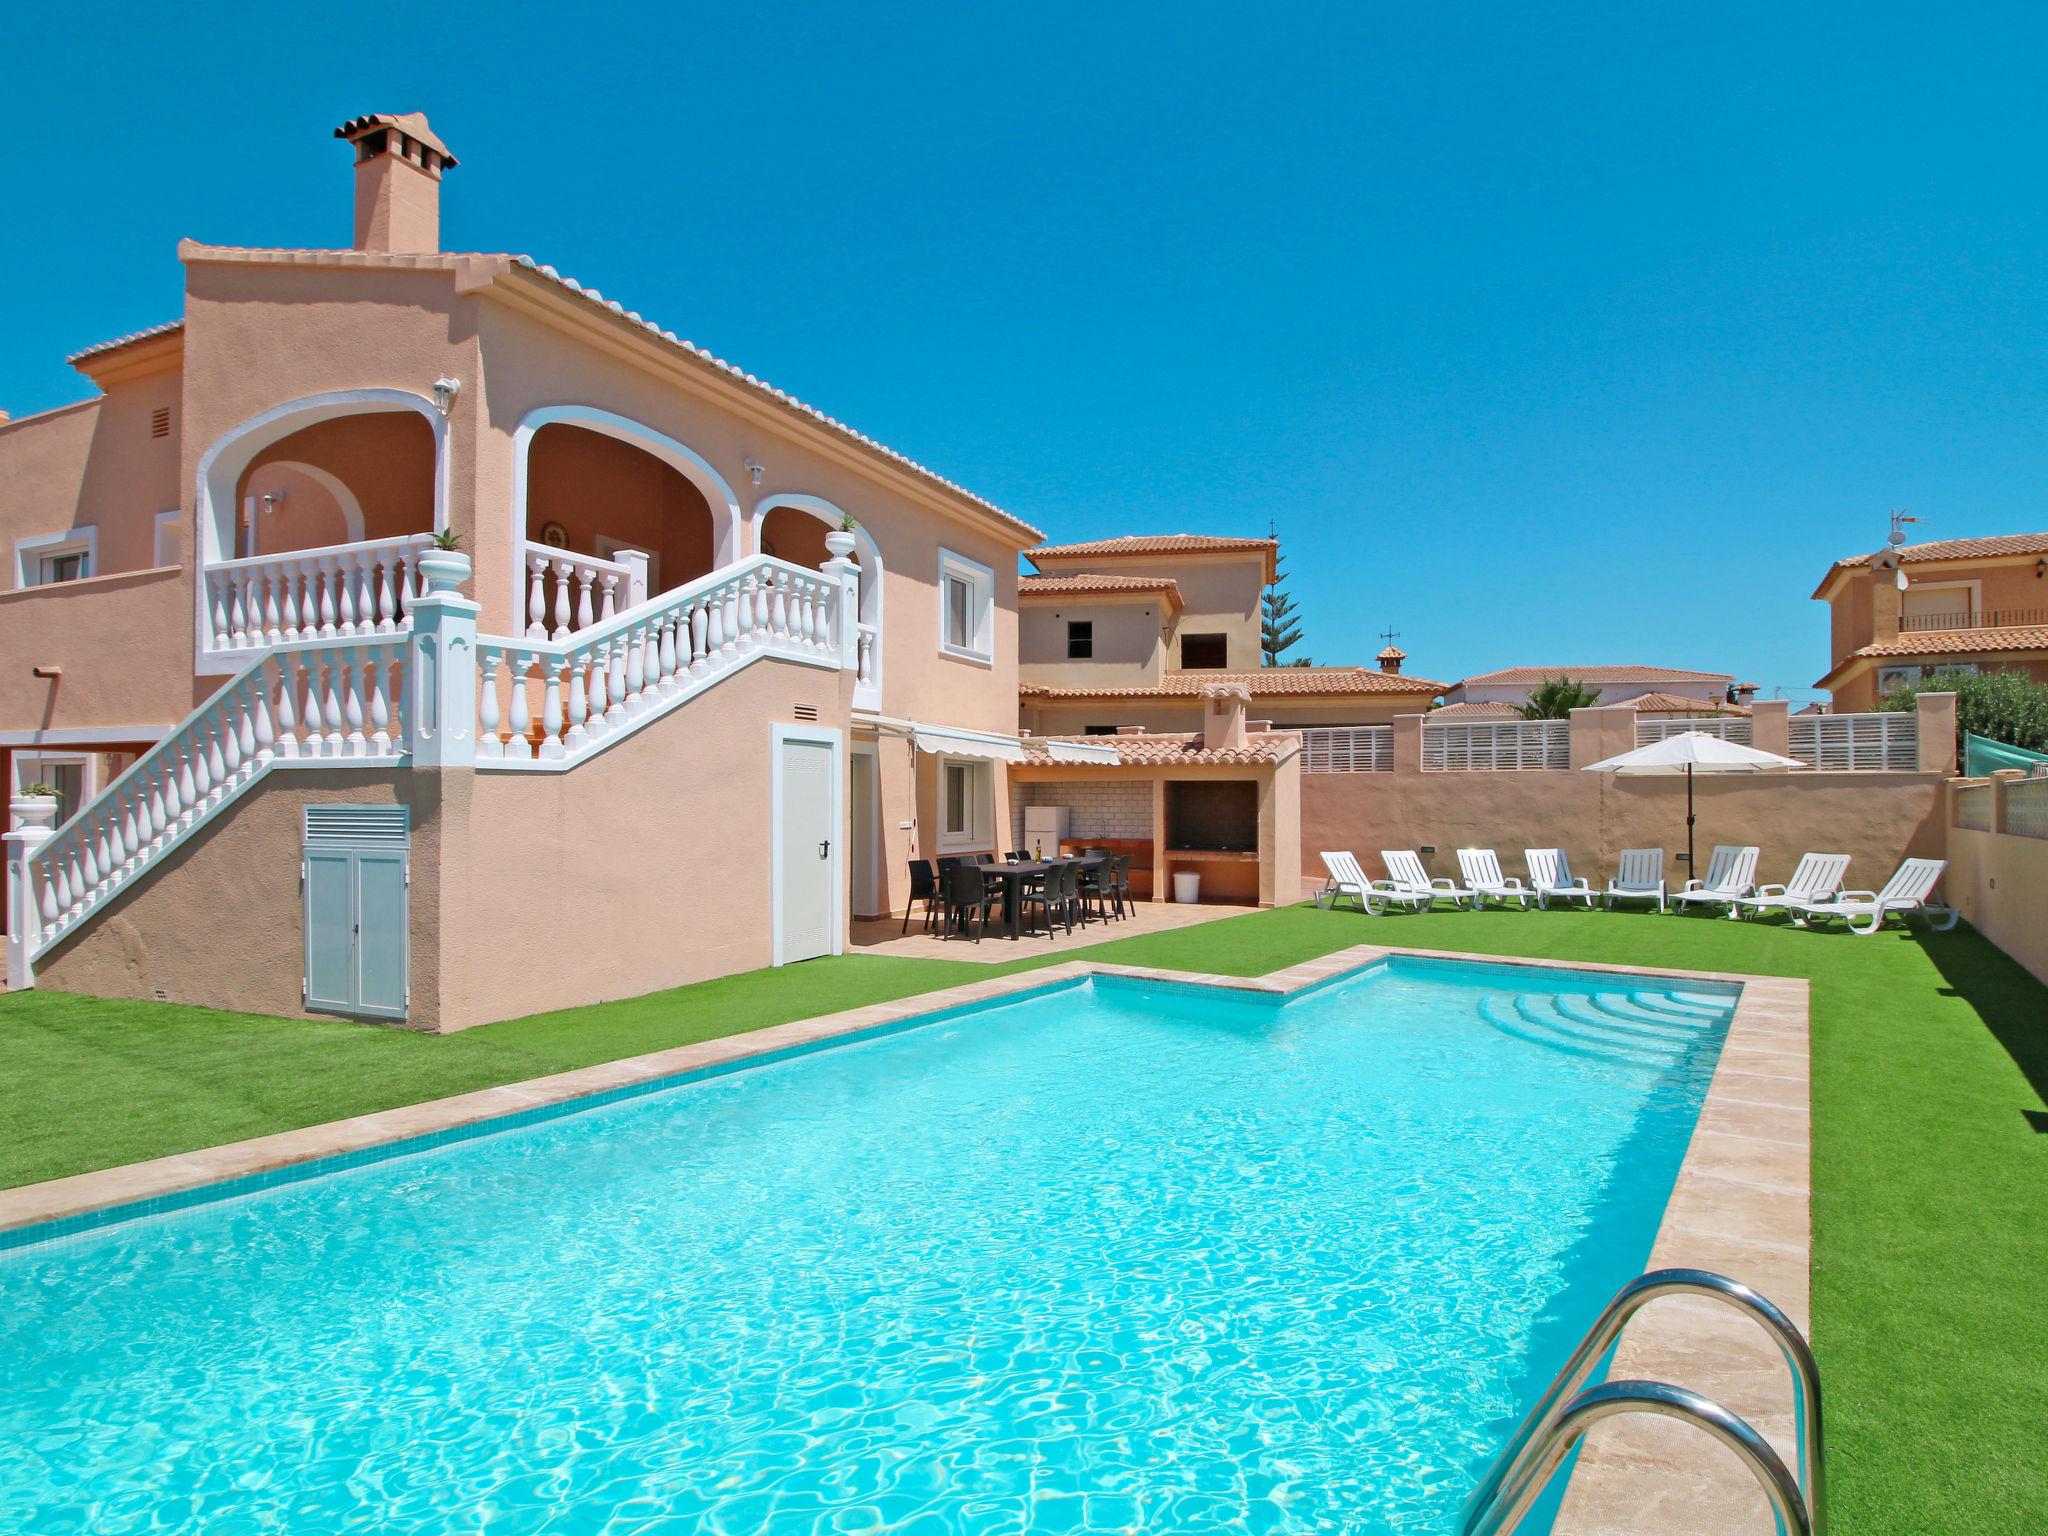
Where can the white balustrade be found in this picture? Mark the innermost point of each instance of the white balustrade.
(554, 700)
(568, 593)
(337, 700)
(337, 592)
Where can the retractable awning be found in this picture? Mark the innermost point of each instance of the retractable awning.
(953, 742)
(1078, 752)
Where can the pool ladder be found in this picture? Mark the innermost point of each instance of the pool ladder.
(1569, 1408)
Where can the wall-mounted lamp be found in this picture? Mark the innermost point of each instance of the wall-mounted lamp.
(2041, 568)
(53, 673)
(445, 391)
(755, 468)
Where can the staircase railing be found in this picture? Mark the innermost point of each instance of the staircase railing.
(317, 702)
(546, 704)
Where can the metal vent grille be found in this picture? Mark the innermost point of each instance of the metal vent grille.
(807, 712)
(359, 826)
(160, 421)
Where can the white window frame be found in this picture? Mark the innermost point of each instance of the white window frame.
(31, 552)
(1889, 678)
(980, 819)
(981, 583)
(162, 525)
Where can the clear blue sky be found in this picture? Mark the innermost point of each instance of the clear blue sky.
(1547, 334)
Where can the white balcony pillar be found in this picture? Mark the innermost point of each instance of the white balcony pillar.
(846, 611)
(635, 562)
(33, 817)
(441, 667)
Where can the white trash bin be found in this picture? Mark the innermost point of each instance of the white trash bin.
(1187, 885)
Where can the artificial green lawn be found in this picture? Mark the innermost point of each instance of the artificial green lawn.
(1930, 1158)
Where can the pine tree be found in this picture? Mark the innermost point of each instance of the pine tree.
(1279, 628)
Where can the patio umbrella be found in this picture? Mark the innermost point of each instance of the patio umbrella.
(1686, 752)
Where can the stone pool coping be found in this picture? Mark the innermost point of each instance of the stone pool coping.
(1741, 1205)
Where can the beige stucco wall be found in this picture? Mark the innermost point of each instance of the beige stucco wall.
(1131, 636)
(1999, 881)
(1876, 818)
(386, 460)
(220, 921)
(123, 642)
(1219, 594)
(92, 464)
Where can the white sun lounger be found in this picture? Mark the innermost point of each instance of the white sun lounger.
(1348, 878)
(1816, 877)
(1345, 879)
(1480, 870)
(1730, 873)
(1406, 874)
(1908, 893)
(1640, 878)
(1550, 872)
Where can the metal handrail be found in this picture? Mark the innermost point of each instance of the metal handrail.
(1631, 1299)
(1539, 1461)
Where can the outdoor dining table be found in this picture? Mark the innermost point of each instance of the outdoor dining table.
(1013, 877)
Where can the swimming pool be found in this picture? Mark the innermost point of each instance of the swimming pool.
(1112, 1256)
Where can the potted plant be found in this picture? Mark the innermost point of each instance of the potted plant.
(840, 541)
(444, 567)
(34, 807)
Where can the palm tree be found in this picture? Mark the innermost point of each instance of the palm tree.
(1556, 697)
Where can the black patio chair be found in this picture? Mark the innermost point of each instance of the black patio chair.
(924, 887)
(1019, 856)
(1120, 883)
(1093, 887)
(969, 895)
(1044, 898)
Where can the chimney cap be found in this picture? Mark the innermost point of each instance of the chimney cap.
(412, 124)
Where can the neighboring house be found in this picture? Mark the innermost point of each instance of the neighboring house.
(1125, 633)
(1964, 604)
(676, 723)
(1663, 690)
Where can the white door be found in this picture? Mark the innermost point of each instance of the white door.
(866, 829)
(807, 837)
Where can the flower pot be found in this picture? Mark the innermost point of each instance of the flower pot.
(839, 542)
(443, 570)
(33, 813)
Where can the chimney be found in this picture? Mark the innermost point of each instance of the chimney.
(1391, 659)
(1885, 597)
(398, 181)
(1224, 706)
(1745, 693)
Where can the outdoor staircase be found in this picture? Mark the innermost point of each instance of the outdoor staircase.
(1642, 1027)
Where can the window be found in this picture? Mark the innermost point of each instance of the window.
(1080, 639)
(967, 593)
(1098, 730)
(1204, 652)
(966, 803)
(169, 538)
(49, 558)
(1889, 678)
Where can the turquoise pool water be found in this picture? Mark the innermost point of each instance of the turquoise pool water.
(1114, 1257)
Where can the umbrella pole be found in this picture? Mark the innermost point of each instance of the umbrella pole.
(1690, 872)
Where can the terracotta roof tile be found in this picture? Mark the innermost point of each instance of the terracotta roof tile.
(490, 264)
(1267, 682)
(1082, 584)
(1959, 549)
(147, 334)
(1594, 676)
(1136, 544)
(1946, 642)
(1476, 712)
(1679, 704)
(1173, 750)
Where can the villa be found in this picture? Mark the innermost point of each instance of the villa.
(1953, 605)
(698, 668)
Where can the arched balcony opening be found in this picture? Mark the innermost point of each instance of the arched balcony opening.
(312, 516)
(793, 528)
(611, 513)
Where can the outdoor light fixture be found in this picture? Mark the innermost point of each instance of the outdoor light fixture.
(445, 391)
(755, 468)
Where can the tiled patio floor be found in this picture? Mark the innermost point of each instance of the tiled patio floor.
(885, 936)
